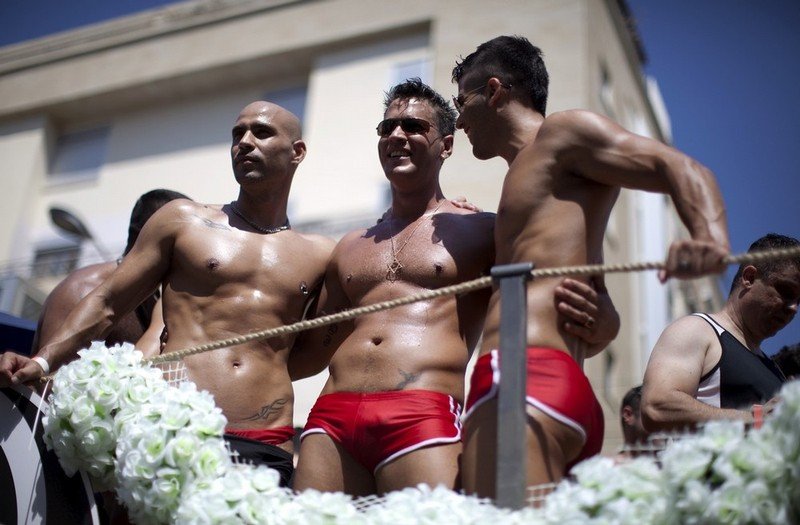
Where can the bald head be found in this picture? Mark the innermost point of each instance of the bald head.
(278, 116)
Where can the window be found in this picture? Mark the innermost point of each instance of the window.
(79, 155)
(55, 261)
(419, 67)
(293, 99)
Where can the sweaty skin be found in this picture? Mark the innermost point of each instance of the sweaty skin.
(421, 346)
(221, 278)
(564, 175)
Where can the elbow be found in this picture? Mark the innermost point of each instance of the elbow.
(655, 415)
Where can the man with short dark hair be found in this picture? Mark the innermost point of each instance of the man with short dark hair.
(788, 360)
(388, 417)
(630, 417)
(565, 173)
(710, 366)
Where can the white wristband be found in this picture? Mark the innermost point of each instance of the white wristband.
(43, 363)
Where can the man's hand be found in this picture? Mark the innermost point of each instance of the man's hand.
(592, 315)
(17, 369)
(689, 258)
(462, 202)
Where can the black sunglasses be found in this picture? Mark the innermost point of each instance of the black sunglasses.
(409, 125)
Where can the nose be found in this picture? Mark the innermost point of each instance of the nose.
(459, 121)
(246, 141)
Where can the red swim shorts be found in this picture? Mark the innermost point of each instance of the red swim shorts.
(378, 427)
(556, 385)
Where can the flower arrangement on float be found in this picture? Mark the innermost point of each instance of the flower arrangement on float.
(161, 448)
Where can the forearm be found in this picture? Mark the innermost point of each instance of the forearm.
(698, 201)
(91, 320)
(678, 410)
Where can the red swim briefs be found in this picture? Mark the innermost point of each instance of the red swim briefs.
(556, 385)
(378, 427)
(268, 436)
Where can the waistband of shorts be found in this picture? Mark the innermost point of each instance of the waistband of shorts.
(274, 435)
(386, 395)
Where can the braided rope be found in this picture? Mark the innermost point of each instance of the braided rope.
(467, 286)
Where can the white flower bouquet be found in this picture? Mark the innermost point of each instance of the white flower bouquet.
(87, 395)
(164, 444)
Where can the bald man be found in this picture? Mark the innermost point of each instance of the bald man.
(225, 270)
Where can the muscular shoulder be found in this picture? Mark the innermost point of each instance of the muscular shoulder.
(79, 283)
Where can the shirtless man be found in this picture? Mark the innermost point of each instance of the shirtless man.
(388, 417)
(77, 285)
(565, 172)
(225, 270)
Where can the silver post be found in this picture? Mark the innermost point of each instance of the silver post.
(510, 474)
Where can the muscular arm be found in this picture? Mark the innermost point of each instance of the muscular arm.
(314, 349)
(673, 376)
(136, 277)
(64, 297)
(599, 149)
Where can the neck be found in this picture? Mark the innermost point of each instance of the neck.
(410, 206)
(735, 317)
(268, 210)
(522, 124)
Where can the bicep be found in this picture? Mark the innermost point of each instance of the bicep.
(678, 359)
(603, 151)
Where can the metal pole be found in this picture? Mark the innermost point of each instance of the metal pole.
(510, 471)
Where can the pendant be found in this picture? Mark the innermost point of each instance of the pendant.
(394, 268)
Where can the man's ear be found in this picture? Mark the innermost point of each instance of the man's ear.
(627, 415)
(299, 151)
(749, 275)
(447, 146)
(497, 94)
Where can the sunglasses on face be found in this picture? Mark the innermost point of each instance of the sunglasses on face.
(460, 100)
(412, 126)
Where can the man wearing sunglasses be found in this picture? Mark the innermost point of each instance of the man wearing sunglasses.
(565, 172)
(388, 417)
(225, 270)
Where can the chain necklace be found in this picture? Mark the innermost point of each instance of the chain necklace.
(393, 268)
(261, 229)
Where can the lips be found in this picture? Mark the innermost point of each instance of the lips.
(245, 158)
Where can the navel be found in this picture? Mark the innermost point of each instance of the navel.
(212, 264)
(349, 277)
(377, 340)
(438, 268)
(303, 288)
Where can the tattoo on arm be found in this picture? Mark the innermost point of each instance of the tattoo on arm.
(408, 378)
(212, 224)
(268, 410)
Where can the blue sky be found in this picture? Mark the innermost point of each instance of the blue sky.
(728, 71)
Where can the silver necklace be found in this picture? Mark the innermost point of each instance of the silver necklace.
(393, 268)
(261, 229)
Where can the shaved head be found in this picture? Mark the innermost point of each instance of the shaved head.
(279, 116)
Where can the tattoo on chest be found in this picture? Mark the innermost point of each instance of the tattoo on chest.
(268, 410)
(332, 329)
(408, 378)
(212, 224)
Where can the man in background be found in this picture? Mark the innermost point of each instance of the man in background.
(77, 285)
(708, 366)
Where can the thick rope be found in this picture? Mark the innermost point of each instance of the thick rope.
(467, 286)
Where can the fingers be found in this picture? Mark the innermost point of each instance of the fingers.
(16, 369)
(690, 258)
(578, 330)
(577, 300)
(462, 202)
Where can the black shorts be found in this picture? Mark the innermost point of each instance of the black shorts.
(258, 453)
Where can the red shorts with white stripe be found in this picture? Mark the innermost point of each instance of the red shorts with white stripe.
(556, 385)
(378, 427)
